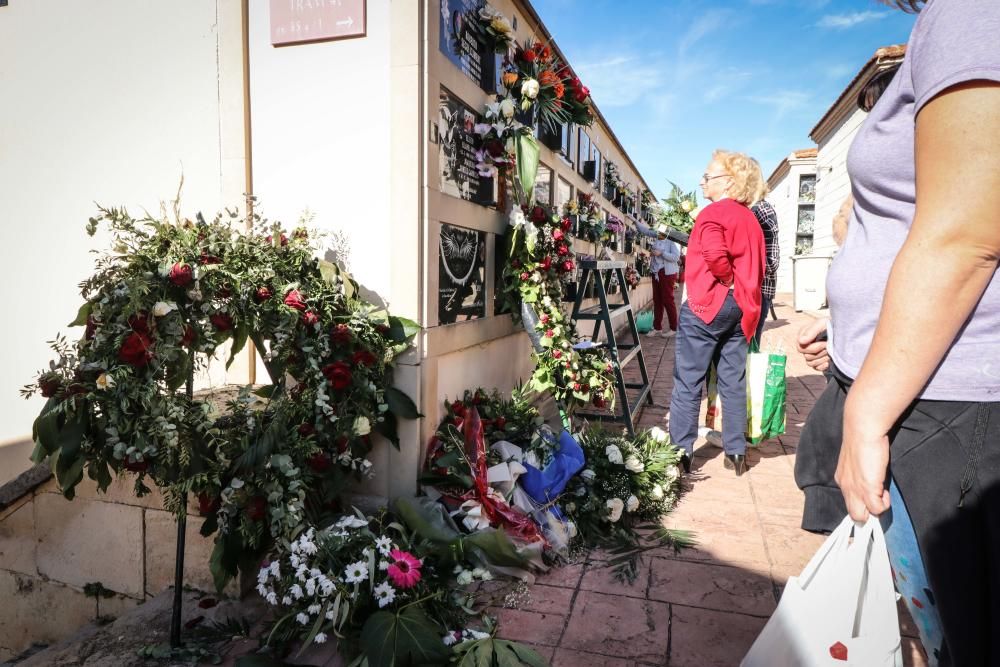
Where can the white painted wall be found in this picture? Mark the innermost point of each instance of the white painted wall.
(785, 198)
(320, 118)
(832, 182)
(102, 101)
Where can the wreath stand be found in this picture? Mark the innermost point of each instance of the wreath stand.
(175, 614)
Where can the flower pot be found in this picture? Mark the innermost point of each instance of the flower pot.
(613, 245)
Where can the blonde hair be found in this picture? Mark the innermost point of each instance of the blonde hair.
(748, 182)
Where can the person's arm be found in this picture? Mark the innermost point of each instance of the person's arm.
(644, 229)
(841, 220)
(715, 252)
(673, 252)
(955, 232)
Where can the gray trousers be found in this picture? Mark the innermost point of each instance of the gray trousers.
(697, 345)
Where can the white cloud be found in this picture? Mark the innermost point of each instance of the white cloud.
(783, 101)
(844, 21)
(622, 80)
(706, 23)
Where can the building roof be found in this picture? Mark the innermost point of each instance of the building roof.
(784, 166)
(882, 58)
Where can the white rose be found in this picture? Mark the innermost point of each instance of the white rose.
(633, 464)
(362, 426)
(615, 507)
(614, 454)
(507, 108)
(517, 218)
(105, 381)
(657, 492)
(687, 205)
(588, 474)
(659, 434)
(529, 89)
(162, 308)
(632, 504)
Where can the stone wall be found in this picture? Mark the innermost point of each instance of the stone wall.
(50, 548)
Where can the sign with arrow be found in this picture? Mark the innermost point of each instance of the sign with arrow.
(305, 21)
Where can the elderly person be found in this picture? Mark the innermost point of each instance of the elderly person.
(915, 319)
(768, 219)
(664, 265)
(724, 271)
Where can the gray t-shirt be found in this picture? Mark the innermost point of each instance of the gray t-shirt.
(953, 41)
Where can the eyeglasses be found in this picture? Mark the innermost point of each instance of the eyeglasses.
(705, 177)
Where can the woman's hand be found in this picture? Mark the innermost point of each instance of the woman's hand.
(814, 350)
(864, 459)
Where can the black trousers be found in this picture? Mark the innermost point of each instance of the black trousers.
(945, 460)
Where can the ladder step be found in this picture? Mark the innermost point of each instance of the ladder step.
(623, 360)
(600, 264)
(597, 313)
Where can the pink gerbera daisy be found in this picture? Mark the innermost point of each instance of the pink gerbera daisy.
(405, 568)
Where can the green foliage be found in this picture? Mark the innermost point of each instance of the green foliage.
(677, 209)
(493, 652)
(404, 637)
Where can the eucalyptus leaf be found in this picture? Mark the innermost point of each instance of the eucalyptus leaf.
(82, 314)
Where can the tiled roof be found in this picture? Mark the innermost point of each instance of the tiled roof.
(806, 152)
(883, 57)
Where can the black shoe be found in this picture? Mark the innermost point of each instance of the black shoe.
(737, 462)
(686, 463)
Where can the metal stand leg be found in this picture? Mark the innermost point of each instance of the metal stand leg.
(175, 616)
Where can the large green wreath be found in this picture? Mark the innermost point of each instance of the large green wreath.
(272, 459)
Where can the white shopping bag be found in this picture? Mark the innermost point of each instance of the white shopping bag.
(840, 611)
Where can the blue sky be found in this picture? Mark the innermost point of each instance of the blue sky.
(678, 78)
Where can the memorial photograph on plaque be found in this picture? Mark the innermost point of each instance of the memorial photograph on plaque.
(462, 41)
(461, 274)
(457, 152)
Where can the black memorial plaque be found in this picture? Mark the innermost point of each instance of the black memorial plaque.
(464, 43)
(457, 152)
(461, 274)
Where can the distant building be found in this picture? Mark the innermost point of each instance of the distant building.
(809, 186)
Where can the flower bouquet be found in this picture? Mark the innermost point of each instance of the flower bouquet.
(679, 209)
(628, 484)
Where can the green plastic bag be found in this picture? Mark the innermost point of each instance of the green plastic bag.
(766, 392)
(644, 322)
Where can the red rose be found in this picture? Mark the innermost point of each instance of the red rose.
(577, 386)
(137, 466)
(562, 249)
(306, 430)
(281, 239)
(567, 266)
(189, 337)
(556, 354)
(544, 319)
(221, 321)
(478, 398)
(495, 148)
(458, 407)
(538, 214)
(338, 374)
(262, 294)
(341, 335)
(364, 358)
(136, 349)
(50, 384)
(310, 318)
(256, 508)
(566, 224)
(294, 300)
(319, 462)
(558, 235)
(529, 56)
(546, 263)
(139, 322)
(181, 274)
(342, 444)
(500, 422)
(549, 333)
(599, 402)
(525, 276)
(208, 504)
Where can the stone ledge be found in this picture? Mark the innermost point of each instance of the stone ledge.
(23, 484)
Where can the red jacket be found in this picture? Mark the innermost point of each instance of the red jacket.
(726, 245)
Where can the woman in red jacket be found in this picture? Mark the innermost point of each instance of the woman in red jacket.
(724, 271)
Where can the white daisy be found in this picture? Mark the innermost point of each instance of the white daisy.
(384, 545)
(384, 593)
(355, 573)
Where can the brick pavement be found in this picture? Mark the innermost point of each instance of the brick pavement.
(705, 605)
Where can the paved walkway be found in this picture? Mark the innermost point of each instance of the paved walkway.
(706, 605)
